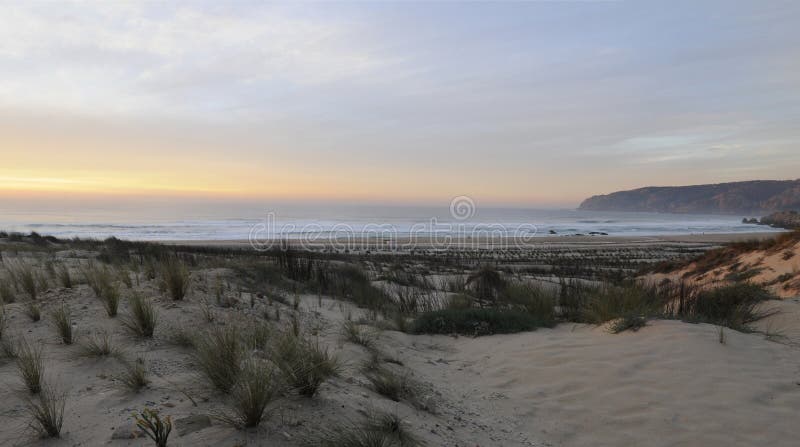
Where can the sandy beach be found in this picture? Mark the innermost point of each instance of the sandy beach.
(670, 383)
(427, 243)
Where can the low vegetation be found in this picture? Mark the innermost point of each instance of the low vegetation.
(135, 375)
(142, 318)
(395, 386)
(381, 430)
(304, 365)
(154, 426)
(109, 295)
(256, 387)
(30, 365)
(356, 334)
(33, 311)
(3, 321)
(735, 306)
(64, 276)
(475, 322)
(46, 411)
(219, 355)
(7, 295)
(62, 322)
(174, 278)
(99, 344)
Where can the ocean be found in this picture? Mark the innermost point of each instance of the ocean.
(241, 222)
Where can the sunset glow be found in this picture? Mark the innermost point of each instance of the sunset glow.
(285, 101)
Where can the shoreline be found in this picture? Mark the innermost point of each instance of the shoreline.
(404, 244)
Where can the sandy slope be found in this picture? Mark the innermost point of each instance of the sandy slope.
(671, 383)
(777, 269)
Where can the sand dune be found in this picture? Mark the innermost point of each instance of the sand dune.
(670, 384)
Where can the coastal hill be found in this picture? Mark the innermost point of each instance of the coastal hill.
(772, 263)
(758, 196)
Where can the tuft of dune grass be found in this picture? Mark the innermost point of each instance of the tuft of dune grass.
(255, 388)
(174, 278)
(143, 316)
(46, 412)
(62, 322)
(219, 354)
(304, 364)
(30, 365)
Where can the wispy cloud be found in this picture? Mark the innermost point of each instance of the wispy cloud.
(506, 101)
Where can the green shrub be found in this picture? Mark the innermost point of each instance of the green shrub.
(735, 306)
(609, 302)
(477, 322)
(534, 300)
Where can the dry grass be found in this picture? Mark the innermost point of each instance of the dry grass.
(3, 320)
(135, 375)
(175, 278)
(27, 279)
(305, 365)
(47, 412)
(109, 296)
(99, 344)
(30, 365)
(64, 276)
(33, 311)
(381, 430)
(143, 316)
(219, 355)
(256, 388)
(180, 336)
(62, 322)
(257, 336)
(354, 333)
(154, 426)
(6, 293)
(395, 386)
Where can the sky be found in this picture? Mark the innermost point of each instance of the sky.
(512, 103)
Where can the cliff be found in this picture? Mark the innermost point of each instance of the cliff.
(751, 197)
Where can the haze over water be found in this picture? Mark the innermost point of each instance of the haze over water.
(235, 221)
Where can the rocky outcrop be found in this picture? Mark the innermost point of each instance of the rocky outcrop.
(784, 219)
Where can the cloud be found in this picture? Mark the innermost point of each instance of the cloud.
(95, 58)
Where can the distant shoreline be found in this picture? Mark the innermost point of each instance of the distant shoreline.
(429, 243)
